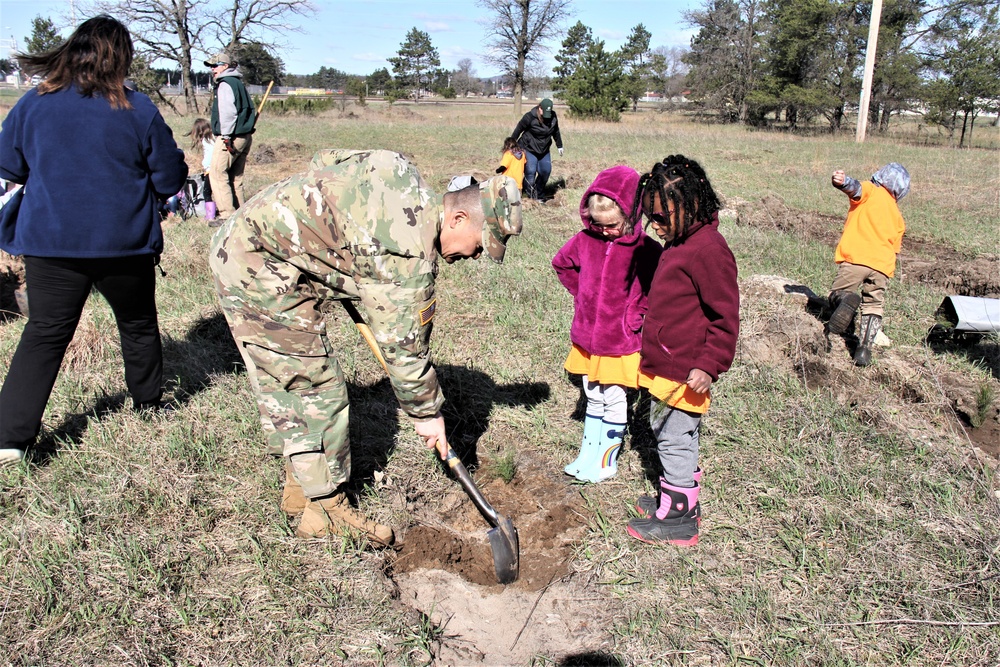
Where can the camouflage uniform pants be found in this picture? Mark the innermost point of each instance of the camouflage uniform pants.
(275, 314)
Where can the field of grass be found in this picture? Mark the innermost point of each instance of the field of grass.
(845, 523)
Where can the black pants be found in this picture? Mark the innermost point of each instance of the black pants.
(57, 292)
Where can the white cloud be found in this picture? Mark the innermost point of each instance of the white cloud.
(437, 26)
(614, 35)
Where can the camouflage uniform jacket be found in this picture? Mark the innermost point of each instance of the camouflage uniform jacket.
(359, 225)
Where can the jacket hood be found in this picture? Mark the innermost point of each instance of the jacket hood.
(894, 178)
(619, 183)
(230, 71)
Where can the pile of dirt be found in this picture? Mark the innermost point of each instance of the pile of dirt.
(914, 393)
(269, 154)
(443, 567)
(11, 281)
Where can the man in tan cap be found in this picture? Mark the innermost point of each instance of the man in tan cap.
(361, 227)
(233, 120)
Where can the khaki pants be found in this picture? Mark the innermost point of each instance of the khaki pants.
(872, 283)
(225, 173)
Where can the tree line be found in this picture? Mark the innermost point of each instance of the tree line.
(754, 62)
(758, 61)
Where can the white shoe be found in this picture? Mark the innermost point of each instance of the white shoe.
(11, 456)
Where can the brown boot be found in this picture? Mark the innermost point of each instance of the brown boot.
(331, 515)
(293, 501)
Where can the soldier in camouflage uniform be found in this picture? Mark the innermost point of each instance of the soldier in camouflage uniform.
(362, 226)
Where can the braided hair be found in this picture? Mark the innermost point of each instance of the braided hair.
(682, 181)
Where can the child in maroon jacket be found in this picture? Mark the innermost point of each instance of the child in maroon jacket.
(688, 339)
(607, 267)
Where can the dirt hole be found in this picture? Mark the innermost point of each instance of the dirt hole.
(443, 568)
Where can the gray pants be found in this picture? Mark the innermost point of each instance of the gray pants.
(676, 434)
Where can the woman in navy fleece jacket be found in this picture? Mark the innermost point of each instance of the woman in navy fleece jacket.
(93, 158)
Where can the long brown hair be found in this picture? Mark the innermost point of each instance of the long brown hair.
(96, 58)
(200, 131)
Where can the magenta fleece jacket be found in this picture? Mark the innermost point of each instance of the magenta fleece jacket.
(694, 307)
(609, 279)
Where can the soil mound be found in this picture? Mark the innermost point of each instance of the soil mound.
(907, 387)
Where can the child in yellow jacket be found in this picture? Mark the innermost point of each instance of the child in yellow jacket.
(513, 161)
(866, 254)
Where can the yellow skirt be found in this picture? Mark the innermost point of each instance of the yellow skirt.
(675, 394)
(622, 371)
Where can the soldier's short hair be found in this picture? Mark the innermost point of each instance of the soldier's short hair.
(500, 201)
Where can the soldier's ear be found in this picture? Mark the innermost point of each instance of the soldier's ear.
(459, 217)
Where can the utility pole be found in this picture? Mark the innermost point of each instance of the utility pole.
(866, 86)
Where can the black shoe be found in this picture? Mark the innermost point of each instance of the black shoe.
(843, 315)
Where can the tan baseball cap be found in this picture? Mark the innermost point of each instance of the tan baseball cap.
(502, 208)
(220, 58)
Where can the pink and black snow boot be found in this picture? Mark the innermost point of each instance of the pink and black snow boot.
(675, 521)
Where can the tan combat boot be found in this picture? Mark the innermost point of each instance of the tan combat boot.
(293, 501)
(328, 516)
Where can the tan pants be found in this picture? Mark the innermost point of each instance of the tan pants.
(872, 283)
(225, 173)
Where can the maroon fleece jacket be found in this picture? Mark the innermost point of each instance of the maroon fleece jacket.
(609, 279)
(694, 307)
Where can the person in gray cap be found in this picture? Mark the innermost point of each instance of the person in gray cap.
(233, 120)
(534, 133)
(359, 227)
(866, 253)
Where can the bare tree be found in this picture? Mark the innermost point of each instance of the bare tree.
(165, 32)
(516, 34)
(251, 20)
(464, 79)
(179, 30)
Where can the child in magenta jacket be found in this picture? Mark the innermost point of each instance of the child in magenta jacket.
(607, 267)
(688, 339)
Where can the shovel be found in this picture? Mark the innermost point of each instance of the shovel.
(502, 534)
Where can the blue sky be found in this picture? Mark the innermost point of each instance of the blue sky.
(357, 36)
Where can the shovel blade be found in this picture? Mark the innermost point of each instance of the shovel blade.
(506, 550)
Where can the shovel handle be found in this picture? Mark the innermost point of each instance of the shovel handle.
(366, 331)
(465, 479)
(455, 463)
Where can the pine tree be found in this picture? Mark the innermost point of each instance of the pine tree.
(44, 36)
(596, 88)
(578, 40)
(415, 60)
(635, 55)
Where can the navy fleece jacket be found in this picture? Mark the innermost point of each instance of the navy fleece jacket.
(91, 173)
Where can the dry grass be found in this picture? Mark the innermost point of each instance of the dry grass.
(847, 518)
